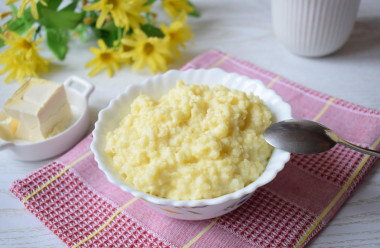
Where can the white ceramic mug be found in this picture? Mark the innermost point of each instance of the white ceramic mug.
(313, 28)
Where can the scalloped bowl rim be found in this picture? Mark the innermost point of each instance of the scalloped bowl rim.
(278, 157)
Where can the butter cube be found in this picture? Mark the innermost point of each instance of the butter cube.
(41, 108)
(8, 126)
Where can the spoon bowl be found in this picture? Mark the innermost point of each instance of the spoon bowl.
(307, 137)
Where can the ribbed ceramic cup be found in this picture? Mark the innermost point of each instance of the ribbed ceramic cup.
(313, 28)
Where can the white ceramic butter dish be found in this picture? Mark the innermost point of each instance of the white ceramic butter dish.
(78, 92)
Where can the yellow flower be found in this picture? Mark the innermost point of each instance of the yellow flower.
(21, 59)
(104, 58)
(134, 11)
(33, 6)
(175, 7)
(177, 33)
(124, 49)
(151, 51)
(125, 13)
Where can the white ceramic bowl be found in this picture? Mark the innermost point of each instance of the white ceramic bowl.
(78, 92)
(155, 87)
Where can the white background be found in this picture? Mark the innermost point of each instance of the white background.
(242, 29)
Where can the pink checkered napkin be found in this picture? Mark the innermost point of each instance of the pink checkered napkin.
(72, 197)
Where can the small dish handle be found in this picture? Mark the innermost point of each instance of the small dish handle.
(85, 88)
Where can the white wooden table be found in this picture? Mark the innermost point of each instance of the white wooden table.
(242, 29)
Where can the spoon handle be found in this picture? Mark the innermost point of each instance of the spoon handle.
(339, 140)
(359, 149)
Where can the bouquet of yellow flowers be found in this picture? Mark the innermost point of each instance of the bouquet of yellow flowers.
(127, 32)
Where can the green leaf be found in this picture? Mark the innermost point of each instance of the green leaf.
(149, 2)
(119, 36)
(57, 40)
(81, 30)
(108, 37)
(18, 25)
(14, 10)
(110, 27)
(22, 24)
(152, 31)
(60, 19)
(195, 12)
(109, 33)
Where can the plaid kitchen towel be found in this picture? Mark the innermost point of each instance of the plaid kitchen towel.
(73, 198)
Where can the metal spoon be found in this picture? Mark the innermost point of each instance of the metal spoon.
(307, 137)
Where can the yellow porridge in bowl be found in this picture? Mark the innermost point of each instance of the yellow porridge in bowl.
(195, 142)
